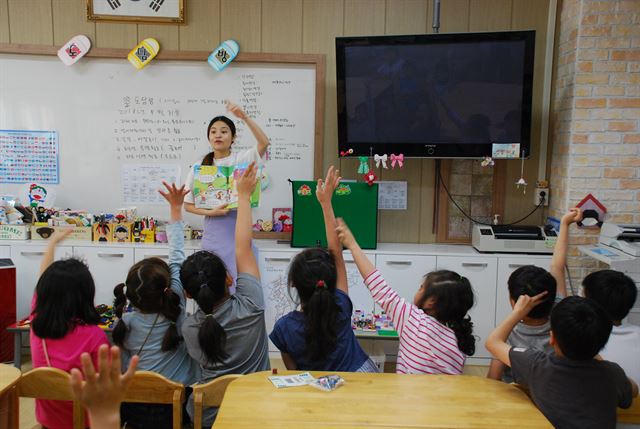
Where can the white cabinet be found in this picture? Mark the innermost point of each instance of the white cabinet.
(482, 273)
(156, 252)
(506, 266)
(358, 292)
(5, 251)
(108, 265)
(405, 273)
(27, 260)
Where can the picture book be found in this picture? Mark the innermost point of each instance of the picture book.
(215, 185)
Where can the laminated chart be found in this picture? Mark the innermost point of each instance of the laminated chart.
(29, 156)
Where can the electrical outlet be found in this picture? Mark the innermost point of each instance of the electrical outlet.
(541, 193)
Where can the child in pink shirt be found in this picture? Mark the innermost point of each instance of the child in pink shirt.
(63, 326)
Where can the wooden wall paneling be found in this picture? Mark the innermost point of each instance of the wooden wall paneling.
(4, 22)
(202, 30)
(406, 17)
(116, 35)
(442, 234)
(529, 15)
(282, 26)
(70, 19)
(166, 34)
(427, 197)
(31, 22)
(240, 20)
(323, 21)
(454, 16)
(490, 15)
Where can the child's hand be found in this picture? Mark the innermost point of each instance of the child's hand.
(236, 110)
(526, 303)
(59, 235)
(174, 196)
(246, 184)
(324, 190)
(345, 235)
(574, 215)
(102, 392)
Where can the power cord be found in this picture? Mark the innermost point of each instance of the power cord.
(540, 204)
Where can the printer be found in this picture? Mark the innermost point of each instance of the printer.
(513, 239)
(625, 238)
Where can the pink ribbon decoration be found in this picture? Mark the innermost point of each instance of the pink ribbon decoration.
(397, 158)
(380, 159)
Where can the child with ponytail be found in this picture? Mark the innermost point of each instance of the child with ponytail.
(436, 335)
(227, 334)
(318, 336)
(152, 329)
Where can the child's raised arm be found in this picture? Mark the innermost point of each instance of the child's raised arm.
(324, 192)
(175, 234)
(348, 240)
(49, 253)
(559, 259)
(497, 341)
(245, 259)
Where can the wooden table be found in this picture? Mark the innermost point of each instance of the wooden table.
(380, 401)
(9, 376)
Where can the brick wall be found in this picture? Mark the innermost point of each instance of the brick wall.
(596, 115)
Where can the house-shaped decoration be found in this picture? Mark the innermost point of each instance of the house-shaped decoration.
(593, 212)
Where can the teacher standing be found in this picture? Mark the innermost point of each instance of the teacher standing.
(219, 222)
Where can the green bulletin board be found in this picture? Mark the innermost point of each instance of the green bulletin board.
(356, 203)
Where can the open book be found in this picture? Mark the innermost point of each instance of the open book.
(214, 186)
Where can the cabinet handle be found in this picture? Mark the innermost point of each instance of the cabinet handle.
(110, 255)
(156, 256)
(475, 264)
(398, 262)
(517, 265)
(278, 259)
(32, 253)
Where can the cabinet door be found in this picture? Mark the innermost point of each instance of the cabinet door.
(5, 252)
(109, 266)
(27, 260)
(159, 252)
(358, 292)
(273, 276)
(506, 266)
(482, 273)
(404, 273)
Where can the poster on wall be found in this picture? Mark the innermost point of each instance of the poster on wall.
(29, 156)
(141, 182)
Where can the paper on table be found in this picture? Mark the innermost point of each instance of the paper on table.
(291, 380)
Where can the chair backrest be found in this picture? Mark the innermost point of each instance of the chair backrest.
(630, 415)
(209, 395)
(52, 384)
(152, 388)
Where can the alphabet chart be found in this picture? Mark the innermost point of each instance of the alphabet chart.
(29, 156)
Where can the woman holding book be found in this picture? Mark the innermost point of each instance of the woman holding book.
(219, 222)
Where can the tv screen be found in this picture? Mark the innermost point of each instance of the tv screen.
(441, 95)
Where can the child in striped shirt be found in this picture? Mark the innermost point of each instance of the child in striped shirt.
(436, 335)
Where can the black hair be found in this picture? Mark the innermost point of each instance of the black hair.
(64, 299)
(531, 280)
(208, 158)
(148, 288)
(204, 277)
(613, 290)
(313, 274)
(581, 327)
(454, 298)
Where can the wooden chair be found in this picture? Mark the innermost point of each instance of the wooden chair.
(151, 388)
(49, 383)
(209, 395)
(630, 415)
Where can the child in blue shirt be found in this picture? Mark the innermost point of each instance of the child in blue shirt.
(319, 335)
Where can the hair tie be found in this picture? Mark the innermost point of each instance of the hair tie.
(320, 284)
(208, 315)
(203, 285)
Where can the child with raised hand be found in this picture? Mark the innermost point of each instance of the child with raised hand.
(573, 387)
(64, 324)
(152, 329)
(436, 335)
(227, 334)
(102, 392)
(318, 336)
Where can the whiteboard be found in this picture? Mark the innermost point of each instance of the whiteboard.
(114, 121)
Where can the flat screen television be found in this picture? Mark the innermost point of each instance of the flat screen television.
(439, 95)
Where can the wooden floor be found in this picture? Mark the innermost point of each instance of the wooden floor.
(27, 405)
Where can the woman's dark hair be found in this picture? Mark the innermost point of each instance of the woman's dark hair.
(64, 299)
(208, 158)
(204, 277)
(148, 288)
(313, 274)
(453, 299)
